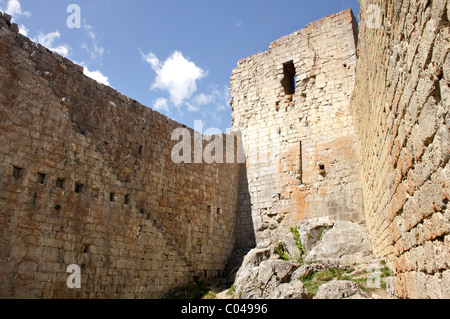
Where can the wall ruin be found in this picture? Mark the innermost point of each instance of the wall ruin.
(401, 106)
(292, 106)
(86, 178)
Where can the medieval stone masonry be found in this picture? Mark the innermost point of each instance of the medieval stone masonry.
(292, 107)
(401, 105)
(343, 119)
(87, 178)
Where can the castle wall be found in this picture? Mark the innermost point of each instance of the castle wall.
(292, 106)
(86, 178)
(401, 106)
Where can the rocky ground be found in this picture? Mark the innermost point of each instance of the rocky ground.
(317, 259)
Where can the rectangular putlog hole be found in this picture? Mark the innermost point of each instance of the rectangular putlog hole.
(17, 172)
(78, 188)
(60, 183)
(41, 178)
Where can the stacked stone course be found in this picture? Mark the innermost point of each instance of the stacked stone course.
(401, 106)
(335, 123)
(301, 148)
(87, 178)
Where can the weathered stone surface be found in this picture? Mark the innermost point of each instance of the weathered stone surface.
(311, 231)
(260, 274)
(306, 270)
(282, 270)
(86, 175)
(346, 243)
(87, 178)
(292, 107)
(344, 246)
(401, 107)
(340, 289)
(292, 290)
(287, 238)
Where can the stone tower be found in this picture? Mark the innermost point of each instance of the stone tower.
(292, 107)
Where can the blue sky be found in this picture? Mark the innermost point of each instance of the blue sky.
(175, 56)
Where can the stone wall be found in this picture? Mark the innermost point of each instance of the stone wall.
(292, 106)
(401, 106)
(86, 178)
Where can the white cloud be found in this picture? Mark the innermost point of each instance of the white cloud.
(14, 8)
(23, 30)
(93, 49)
(203, 99)
(161, 104)
(218, 98)
(151, 59)
(96, 75)
(90, 31)
(192, 108)
(47, 41)
(177, 75)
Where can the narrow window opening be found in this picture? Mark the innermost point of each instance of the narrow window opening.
(112, 197)
(78, 188)
(17, 172)
(289, 80)
(41, 178)
(60, 183)
(126, 199)
(219, 211)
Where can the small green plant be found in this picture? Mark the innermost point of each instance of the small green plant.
(58, 207)
(317, 279)
(210, 295)
(298, 243)
(329, 274)
(281, 251)
(313, 281)
(231, 291)
(323, 231)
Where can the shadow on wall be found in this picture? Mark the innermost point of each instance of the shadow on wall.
(245, 231)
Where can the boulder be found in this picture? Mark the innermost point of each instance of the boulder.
(325, 244)
(246, 286)
(345, 244)
(307, 270)
(257, 282)
(340, 289)
(292, 290)
(286, 237)
(282, 270)
(312, 230)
